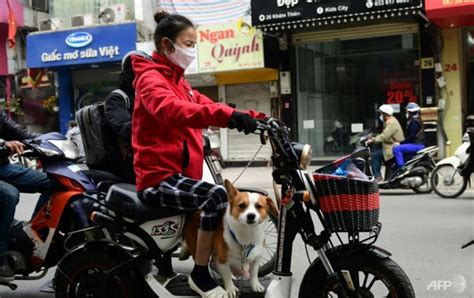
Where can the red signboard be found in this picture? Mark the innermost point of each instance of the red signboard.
(450, 13)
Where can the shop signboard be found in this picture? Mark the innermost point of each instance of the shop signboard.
(442, 4)
(229, 46)
(450, 13)
(276, 12)
(87, 45)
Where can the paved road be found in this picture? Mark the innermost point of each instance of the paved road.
(423, 232)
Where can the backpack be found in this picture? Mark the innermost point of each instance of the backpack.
(98, 138)
(94, 131)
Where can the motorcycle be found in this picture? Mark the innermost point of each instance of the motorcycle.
(61, 223)
(123, 266)
(452, 174)
(338, 140)
(417, 173)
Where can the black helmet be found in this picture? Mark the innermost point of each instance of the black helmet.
(127, 61)
(470, 121)
(127, 75)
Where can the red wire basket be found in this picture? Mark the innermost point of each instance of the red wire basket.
(348, 205)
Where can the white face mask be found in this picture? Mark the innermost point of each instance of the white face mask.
(381, 118)
(183, 57)
(407, 115)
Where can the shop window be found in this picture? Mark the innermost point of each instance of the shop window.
(306, 69)
(341, 83)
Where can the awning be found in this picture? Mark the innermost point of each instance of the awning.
(295, 14)
(450, 13)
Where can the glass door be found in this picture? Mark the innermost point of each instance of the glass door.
(469, 66)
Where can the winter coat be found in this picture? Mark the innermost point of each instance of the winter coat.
(392, 133)
(167, 124)
(118, 108)
(415, 132)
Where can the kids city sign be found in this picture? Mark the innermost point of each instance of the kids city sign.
(224, 47)
(90, 45)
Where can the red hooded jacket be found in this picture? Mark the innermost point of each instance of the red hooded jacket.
(167, 124)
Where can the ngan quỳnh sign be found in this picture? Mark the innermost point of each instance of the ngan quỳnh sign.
(226, 47)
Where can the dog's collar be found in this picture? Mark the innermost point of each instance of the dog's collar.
(246, 249)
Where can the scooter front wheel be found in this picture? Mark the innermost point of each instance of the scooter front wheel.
(371, 277)
(447, 182)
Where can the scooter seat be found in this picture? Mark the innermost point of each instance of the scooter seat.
(101, 176)
(122, 198)
(427, 149)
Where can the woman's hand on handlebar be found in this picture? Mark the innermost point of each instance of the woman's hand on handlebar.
(242, 122)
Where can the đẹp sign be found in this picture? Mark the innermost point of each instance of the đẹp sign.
(231, 46)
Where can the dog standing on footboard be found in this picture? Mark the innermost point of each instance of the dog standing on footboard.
(239, 238)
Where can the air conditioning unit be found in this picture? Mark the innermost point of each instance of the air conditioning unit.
(114, 14)
(87, 19)
(50, 24)
(40, 5)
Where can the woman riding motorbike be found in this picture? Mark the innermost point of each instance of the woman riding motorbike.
(168, 119)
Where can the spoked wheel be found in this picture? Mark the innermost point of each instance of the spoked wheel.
(426, 187)
(83, 276)
(270, 246)
(447, 182)
(371, 277)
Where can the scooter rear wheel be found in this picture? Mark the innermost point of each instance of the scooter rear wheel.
(267, 260)
(426, 187)
(83, 276)
(442, 184)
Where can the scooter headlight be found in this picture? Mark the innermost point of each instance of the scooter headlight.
(304, 153)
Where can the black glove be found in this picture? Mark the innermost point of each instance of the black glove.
(243, 122)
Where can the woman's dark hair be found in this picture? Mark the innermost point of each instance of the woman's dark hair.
(169, 26)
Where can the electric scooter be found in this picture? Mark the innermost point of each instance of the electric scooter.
(133, 263)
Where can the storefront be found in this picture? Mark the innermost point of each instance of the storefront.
(8, 53)
(455, 23)
(232, 56)
(86, 62)
(346, 59)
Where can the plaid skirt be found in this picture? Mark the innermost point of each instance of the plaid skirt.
(188, 194)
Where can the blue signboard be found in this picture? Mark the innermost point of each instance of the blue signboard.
(104, 43)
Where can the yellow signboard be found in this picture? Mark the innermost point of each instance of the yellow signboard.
(229, 46)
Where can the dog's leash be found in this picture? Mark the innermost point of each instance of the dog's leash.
(248, 164)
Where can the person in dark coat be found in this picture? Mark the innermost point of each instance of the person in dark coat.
(415, 140)
(118, 112)
(13, 180)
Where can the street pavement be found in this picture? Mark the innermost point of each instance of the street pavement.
(423, 232)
